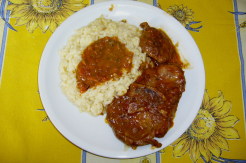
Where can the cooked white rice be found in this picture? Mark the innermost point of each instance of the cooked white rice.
(95, 99)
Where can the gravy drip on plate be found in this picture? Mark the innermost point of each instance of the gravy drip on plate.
(147, 110)
(103, 60)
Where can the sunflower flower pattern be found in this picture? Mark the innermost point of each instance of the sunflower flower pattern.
(208, 134)
(45, 14)
(181, 13)
(184, 15)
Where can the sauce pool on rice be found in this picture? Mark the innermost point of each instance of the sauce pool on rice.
(96, 98)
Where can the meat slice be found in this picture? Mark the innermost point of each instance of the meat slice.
(147, 109)
(168, 79)
(156, 44)
(139, 116)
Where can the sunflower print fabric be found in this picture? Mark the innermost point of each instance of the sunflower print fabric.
(185, 16)
(182, 13)
(45, 14)
(208, 134)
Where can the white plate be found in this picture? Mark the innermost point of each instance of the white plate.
(92, 133)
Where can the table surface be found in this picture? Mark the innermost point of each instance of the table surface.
(26, 133)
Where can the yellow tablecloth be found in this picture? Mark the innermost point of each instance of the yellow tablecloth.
(218, 132)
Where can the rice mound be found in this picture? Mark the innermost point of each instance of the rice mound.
(95, 99)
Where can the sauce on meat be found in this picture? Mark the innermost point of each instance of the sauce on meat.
(104, 59)
(169, 80)
(138, 116)
(147, 109)
(157, 45)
